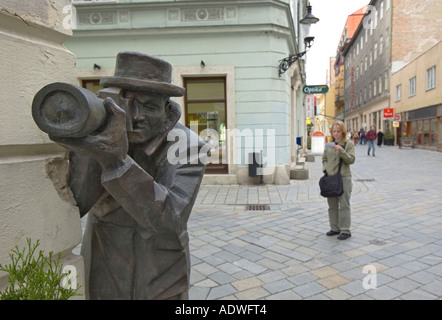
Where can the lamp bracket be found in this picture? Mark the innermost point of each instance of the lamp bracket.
(285, 63)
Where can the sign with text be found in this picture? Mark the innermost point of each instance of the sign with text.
(315, 89)
(388, 113)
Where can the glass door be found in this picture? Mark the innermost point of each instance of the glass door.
(205, 110)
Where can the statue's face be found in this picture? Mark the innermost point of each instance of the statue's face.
(148, 115)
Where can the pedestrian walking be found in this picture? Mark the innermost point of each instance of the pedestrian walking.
(371, 138)
(339, 211)
(380, 138)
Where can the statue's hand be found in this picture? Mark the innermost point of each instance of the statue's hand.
(109, 145)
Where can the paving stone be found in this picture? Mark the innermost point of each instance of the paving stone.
(284, 253)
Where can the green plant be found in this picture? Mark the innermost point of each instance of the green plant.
(388, 135)
(36, 276)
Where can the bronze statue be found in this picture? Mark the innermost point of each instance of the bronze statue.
(138, 203)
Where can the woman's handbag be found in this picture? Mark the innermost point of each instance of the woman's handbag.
(331, 186)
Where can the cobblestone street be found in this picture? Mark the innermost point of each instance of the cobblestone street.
(283, 253)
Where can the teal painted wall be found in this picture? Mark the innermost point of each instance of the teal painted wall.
(251, 37)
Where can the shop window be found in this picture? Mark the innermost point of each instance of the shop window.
(433, 132)
(420, 134)
(414, 131)
(440, 131)
(205, 111)
(92, 85)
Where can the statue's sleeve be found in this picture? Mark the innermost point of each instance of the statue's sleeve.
(161, 208)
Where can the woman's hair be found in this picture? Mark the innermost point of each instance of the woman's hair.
(342, 128)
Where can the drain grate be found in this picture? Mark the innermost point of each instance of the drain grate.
(365, 180)
(257, 207)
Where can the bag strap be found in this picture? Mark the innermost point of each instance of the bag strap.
(340, 160)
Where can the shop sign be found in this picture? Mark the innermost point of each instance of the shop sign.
(395, 124)
(397, 117)
(388, 113)
(315, 89)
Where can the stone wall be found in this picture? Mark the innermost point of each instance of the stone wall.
(32, 55)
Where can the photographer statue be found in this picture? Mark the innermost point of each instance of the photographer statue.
(138, 203)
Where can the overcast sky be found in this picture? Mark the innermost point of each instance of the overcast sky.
(327, 32)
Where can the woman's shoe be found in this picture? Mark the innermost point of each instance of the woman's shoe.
(332, 233)
(344, 236)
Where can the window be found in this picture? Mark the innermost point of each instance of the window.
(375, 51)
(398, 92)
(362, 43)
(431, 78)
(205, 104)
(381, 15)
(380, 84)
(412, 87)
(371, 57)
(381, 45)
(433, 132)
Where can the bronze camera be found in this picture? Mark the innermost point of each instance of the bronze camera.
(64, 110)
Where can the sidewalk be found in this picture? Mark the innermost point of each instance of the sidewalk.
(283, 253)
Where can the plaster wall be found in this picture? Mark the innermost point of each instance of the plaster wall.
(32, 205)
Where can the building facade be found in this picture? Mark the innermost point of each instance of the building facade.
(350, 28)
(392, 34)
(226, 54)
(367, 70)
(417, 100)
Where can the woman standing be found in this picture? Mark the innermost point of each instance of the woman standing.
(339, 211)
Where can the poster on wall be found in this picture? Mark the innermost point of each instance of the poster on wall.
(310, 106)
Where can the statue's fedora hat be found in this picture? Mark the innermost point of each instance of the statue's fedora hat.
(138, 71)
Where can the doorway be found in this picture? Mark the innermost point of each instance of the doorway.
(206, 113)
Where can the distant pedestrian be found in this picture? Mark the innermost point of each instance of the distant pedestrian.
(362, 136)
(380, 138)
(339, 211)
(355, 137)
(371, 137)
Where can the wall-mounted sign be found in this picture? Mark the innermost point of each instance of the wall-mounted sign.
(310, 106)
(315, 89)
(388, 113)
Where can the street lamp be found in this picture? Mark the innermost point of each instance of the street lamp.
(308, 20)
